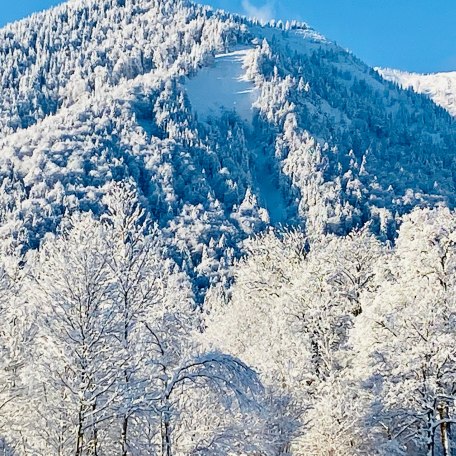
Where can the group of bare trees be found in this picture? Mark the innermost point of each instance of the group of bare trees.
(98, 348)
(357, 334)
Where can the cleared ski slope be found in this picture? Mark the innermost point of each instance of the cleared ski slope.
(223, 86)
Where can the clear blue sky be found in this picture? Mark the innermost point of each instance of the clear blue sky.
(413, 35)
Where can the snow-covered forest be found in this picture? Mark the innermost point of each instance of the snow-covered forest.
(219, 238)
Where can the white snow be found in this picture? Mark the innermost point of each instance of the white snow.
(223, 86)
(440, 87)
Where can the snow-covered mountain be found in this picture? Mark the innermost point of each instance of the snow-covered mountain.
(99, 91)
(195, 216)
(440, 87)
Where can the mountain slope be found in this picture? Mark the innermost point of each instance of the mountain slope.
(440, 87)
(95, 92)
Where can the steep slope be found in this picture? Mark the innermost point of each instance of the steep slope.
(145, 145)
(226, 127)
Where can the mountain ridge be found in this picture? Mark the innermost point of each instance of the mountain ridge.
(440, 87)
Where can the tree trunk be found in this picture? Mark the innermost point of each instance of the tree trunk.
(286, 449)
(80, 435)
(124, 435)
(444, 429)
(95, 432)
(166, 433)
(430, 433)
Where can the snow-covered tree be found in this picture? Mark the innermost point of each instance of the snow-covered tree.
(138, 284)
(406, 337)
(290, 313)
(75, 349)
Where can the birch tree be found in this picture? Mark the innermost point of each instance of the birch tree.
(16, 335)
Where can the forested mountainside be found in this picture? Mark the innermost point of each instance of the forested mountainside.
(218, 237)
(97, 91)
(440, 87)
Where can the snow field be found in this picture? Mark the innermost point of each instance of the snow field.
(223, 86)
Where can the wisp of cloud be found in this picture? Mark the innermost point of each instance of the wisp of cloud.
(263, 13)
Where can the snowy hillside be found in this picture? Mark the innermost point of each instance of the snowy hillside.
(134, 100)
(220, 238)
(440, 87)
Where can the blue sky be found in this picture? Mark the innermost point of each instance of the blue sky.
(413, 35)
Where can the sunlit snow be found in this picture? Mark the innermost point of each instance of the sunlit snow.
(223, 86)
(440, 87)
